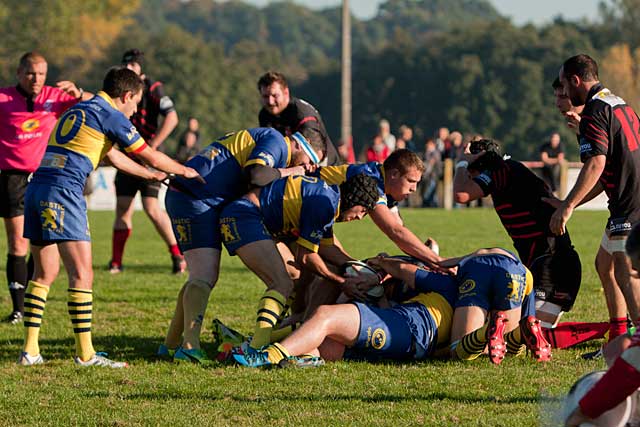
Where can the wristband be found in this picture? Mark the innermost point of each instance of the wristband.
(462, 164)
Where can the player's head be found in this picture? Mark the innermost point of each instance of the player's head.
(491, 158)
(633, 249)
(124, 86)
(307, 147)
(133, 60)
(274, 92)
(577, 75)
(32, 72)
(358, 195)
(403, 170)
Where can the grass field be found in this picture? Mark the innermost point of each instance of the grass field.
(132, 312)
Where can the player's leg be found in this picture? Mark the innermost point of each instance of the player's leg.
(262, 257)
(468, 332)
(629, 285)
(614, 297)
(122, 227)
(162, 223)
(46, 267)
(16, 266)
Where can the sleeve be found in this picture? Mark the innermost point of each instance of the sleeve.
(316, 222)
(120, 130)
(263, 120)
(165, 103)
(63, 102)
(622, 379)
(492, 181)
(594, 135)
(334, 175)
(270, 150)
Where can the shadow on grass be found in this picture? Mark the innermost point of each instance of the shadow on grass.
(279, 397)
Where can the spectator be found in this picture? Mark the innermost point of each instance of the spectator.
(347, 152)
(455, 149)
(188, 145)
(406, 139)
(552, 155)
(442, 141)
(433, 170)
(387, 137)
(378, 151)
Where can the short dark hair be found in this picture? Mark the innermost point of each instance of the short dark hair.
(133, 55)
(271, 77)
(403, 160)
(120, 80)
(492, 157)
(30, 58)
(556, 84)
(359, 190)
(582, 66)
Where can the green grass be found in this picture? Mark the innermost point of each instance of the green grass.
(132, 312)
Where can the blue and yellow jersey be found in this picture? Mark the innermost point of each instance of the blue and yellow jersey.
(336, 175)
(222, 162)
(302, 207)
(438, 293)
(82, 137)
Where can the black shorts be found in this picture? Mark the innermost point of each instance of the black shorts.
(13, 185)
(127, 185)
(557, 275)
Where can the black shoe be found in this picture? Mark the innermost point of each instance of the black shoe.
(14, 318)
(593, 355)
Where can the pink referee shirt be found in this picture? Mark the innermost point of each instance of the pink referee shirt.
(24, 134)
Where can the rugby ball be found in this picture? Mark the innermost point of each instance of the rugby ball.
(616, 417)
(355, 268)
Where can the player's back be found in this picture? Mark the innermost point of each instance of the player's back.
(336, 175)
(81, 138)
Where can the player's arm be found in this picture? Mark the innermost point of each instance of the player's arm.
(465, 189)
(71, 88)
(168, 125)
(452, 262)
(404, 238)
(587, 180)
(123, 163)
(161, 161)
(312, 261)
(397, 268)
(334, 254)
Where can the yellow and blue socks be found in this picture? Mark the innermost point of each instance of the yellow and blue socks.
(80, 307)
(35, 299)
(270, 309)
(276, 353)
(472, 345)
(515, 342)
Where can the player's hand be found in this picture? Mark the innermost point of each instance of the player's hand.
(310, 168)
(559, 219)
(298, 170)
(190, 173)
(158, 176)
(351, 288)
(553, 201)
(573, 120)
(576, 418)
(69, 87)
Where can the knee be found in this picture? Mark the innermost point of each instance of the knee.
(323, 313)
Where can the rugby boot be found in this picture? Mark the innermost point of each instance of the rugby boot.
(165, 353)
(194, 355)
(495, 337)
(26, 360)
(533, 336)
(100, 359)
(14, 318)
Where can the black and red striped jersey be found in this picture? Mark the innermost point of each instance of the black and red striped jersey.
(154, 103)
(610, 127)
(517, 198)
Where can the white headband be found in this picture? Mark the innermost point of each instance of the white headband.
(306, 147)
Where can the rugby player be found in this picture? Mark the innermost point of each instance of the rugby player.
(154, 103)
(300, 210)
(55, 210)
(519, 199)
(413, 330)
(623, 376)
(288, 114)
(28, 112)
(609, 137)
(494, 307)
(229, 165)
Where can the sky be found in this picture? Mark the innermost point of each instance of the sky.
(521, 11)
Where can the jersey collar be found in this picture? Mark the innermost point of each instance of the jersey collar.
(595, 89)
(107, 98)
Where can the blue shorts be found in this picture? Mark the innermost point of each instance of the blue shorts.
(384, 333)
(194, 222)
(241, 223)
(492, 282)
(55, 214)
